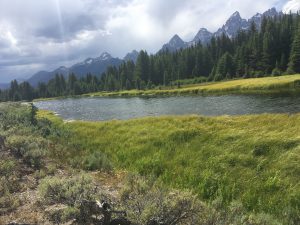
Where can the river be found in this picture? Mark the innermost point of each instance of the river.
(100, 108)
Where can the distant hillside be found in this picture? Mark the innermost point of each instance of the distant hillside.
(132, 56)
(95, 66)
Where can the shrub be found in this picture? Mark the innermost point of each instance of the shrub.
(66, 191)
(97, 161)
(276, 72)
(62, 214)
(259, 219)
(65, 195)
(144, 201)
(9, 181)
(7, 167)
(16, 114)
(31, 149)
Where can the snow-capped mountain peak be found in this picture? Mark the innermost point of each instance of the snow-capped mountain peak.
(89, 61)
(104, 56)
(62, 68)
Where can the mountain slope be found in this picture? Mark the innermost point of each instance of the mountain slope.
(202, 36)
(94, 66)
(176, 43)
(131, 56)
(234, 24)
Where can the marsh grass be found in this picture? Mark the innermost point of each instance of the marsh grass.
(267, 85)
(253, 159)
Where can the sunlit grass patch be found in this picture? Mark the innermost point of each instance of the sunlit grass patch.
(267, 85)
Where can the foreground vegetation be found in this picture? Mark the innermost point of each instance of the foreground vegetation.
(250, 159)
(48, 168)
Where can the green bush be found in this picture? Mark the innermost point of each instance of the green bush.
(7, 167)
(276, 72)
(68, 191)
(65, 195)
(16, 114)
(97, 161)
(31, 149)
(8, 203)
(145, 201)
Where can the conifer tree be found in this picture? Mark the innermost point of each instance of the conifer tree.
(294, 63)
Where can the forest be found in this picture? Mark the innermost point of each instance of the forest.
(272, 50)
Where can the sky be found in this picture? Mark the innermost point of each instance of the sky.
(45, 34)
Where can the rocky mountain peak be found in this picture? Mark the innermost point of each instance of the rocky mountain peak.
(271, 12)
(174, 44)
(175, 40)
(235, 15)
(105, 56)
(202, 36)
(132, 56)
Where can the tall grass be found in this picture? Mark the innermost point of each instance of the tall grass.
(254, 159)
(267, 85)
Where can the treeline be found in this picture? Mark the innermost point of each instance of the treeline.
(272, 50)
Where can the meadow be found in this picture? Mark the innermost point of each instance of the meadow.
(253, 159)
(289, 84)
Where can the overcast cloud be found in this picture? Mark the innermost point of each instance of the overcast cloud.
(45, 34)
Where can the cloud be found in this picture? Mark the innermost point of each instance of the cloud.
(37, 34)
(291, 6)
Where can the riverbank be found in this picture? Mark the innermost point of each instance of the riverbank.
(267, 85)
(289, 84)
(223, 170)
(253, 159)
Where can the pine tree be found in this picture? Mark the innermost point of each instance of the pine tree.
(225, 68)
(294, 63)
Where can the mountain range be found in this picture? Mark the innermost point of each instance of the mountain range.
(230, 28)
(99, 65)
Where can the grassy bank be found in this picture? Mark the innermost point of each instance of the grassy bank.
(289, 84)
(37, 189)
(48, 168)
(267, 85)
(253, 159)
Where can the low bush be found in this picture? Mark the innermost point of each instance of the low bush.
(145, 202)
(97, 161)
(8, 203)
(65, 195)
(31, 149)
(67, 191)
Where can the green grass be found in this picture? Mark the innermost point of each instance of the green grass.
(254, 159)
(268, 85)
(289, 84)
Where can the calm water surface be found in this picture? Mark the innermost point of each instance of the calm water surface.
(127, 108)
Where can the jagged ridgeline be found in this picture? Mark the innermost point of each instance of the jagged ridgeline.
(271, 47)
